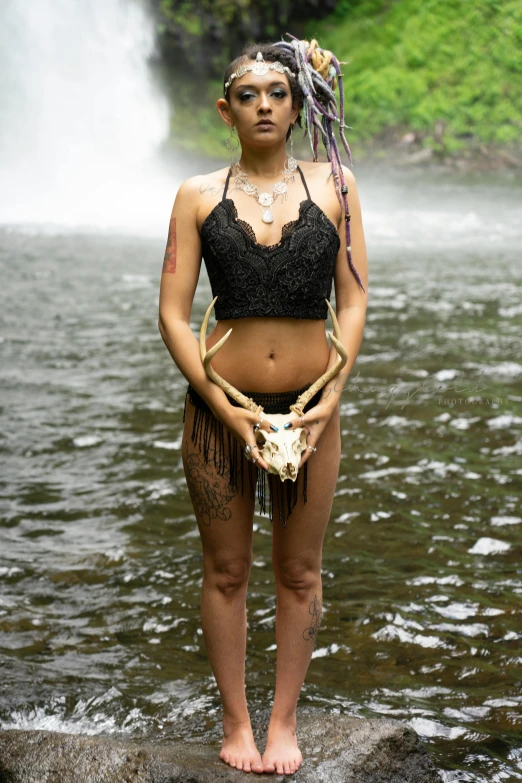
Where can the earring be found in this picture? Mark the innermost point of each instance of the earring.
(291, 159)
(231, 147)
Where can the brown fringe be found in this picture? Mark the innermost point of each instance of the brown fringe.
(206, 429)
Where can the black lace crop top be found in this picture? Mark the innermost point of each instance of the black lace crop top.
(289, 279)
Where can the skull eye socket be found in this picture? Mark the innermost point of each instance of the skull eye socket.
(268, 449)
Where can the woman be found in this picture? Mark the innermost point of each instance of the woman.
(272, 243)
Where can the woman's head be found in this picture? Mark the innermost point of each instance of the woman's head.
(251, 95)
(281, 91)
(314, 76)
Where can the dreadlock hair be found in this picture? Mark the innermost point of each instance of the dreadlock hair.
(318, 72)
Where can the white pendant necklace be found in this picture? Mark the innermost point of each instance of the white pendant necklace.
(265, 200)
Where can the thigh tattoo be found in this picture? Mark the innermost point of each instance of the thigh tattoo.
(209, 491)
(315, 609)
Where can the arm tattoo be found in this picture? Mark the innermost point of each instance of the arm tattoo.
(316, 610)
(169, 262)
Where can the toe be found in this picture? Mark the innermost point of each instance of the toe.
(286, 767)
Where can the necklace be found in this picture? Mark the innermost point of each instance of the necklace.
(265, 200)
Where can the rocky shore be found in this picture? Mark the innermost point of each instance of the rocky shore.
(409, 149)
(336, 749)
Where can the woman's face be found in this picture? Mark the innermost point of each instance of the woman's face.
(261, 106)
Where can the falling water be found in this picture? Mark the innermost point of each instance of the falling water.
(81, 120)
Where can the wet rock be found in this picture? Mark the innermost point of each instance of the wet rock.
(335, 748)
(421, 156)
(511, 160)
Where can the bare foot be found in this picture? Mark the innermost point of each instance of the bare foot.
(238, 748)
(281, 753)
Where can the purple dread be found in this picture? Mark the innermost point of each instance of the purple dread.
(306, 76)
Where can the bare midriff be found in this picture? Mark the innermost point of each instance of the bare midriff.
(270, 354)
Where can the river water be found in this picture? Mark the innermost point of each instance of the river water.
(100, 558)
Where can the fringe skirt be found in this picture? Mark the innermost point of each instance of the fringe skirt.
(209, 435)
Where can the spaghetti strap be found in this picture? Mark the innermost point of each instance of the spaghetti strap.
(304, 181)
(226, 183)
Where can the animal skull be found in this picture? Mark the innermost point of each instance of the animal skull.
(281, 450)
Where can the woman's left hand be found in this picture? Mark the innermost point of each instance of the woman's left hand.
(315, 420)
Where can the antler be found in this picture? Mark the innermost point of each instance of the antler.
(206, 358)
(304, 398)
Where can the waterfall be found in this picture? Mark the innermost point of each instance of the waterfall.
(81, 120)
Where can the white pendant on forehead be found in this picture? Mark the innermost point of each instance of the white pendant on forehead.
(260, 67)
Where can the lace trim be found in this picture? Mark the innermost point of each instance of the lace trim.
(249, 231)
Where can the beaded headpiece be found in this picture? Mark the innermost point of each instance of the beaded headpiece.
(260, 67)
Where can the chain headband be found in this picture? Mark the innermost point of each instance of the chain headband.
(260, 67)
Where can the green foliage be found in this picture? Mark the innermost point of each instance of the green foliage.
(450, 70)
(208, 34)
(413, 63)
(183, 15)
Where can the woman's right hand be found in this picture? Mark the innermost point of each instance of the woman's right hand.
(240, 423)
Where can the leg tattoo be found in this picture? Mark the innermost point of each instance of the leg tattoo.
(209, 491)
(315, 609)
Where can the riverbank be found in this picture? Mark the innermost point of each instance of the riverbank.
(409, 152)
(408, 155)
